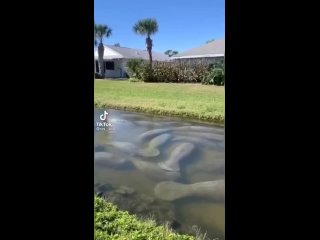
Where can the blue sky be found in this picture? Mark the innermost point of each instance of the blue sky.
(183, 24)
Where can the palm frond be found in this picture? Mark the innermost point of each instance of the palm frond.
(147, 26)
(101, 31)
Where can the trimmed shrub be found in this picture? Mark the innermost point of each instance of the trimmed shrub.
(147, 73)
(163, 72)
(173, 72)
(200, 71)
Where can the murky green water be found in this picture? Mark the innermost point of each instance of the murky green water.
(130, 168)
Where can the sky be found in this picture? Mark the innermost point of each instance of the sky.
(183, 24)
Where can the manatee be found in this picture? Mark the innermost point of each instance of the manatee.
(159, 140)
(153, 133)
(171, 191)
(134, 150)
(103, 155)
(179, 153)
(213, 166)
(209, 136)
(99, 147)
(199, 129)
(202, 141)
(153, 171)
(108, 159)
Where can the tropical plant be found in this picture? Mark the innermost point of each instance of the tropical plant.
(147, 73)
(134, 67)
(95, 44)
(214, 77)
(147, 27)
(95, 36)
(211, 40)
(97, 76)
(171, 53)
(217, 64)
(101, 31)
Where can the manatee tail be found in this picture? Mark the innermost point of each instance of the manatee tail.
(149, 152)
(173, 167)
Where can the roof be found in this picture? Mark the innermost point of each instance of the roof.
(114, 52)
(212, 49)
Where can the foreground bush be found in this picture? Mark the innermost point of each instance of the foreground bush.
(113, 224)
(98, 75)
(147, 73)
(134, 68)
(215, 77)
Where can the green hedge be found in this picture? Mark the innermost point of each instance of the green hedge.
(181, 72)
(173, 72)
(113, 224)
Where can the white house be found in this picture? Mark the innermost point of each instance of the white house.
(115, 59)
(210, 52)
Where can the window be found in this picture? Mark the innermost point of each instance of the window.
(109, 65)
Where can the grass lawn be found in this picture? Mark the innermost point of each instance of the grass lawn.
(194, 101)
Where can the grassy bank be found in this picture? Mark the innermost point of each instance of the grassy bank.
(193, 101)
(112, 224)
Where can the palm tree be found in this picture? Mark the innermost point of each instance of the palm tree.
(147, 27)
(171, 53)
(95, 44)
(211, 40)
(101, 31)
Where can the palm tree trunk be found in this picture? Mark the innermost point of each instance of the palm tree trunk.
(100, 56)
(150, 55)
(149, 48)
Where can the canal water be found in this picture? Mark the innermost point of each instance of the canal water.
(168, 169)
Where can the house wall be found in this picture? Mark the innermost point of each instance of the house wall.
(124, 67)
(120, 68)
(116, 73)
